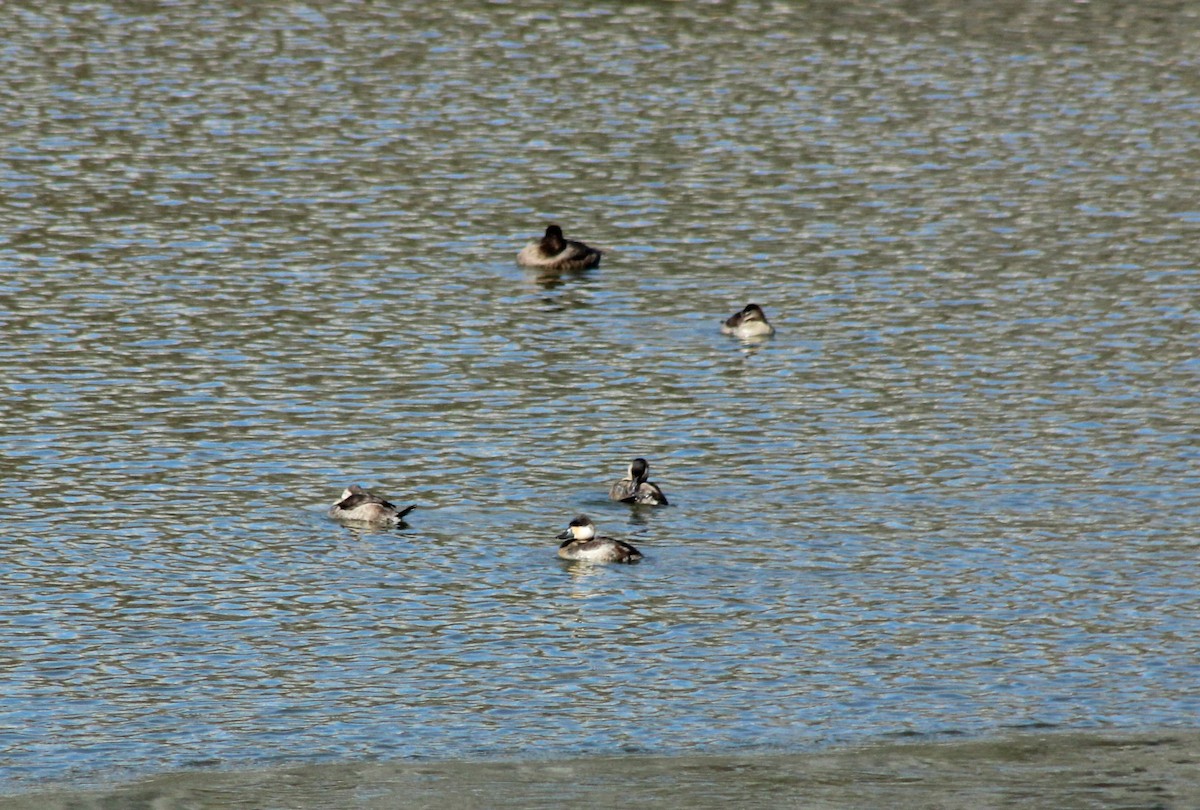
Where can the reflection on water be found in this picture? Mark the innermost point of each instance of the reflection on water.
(255, 253)
(550, 279)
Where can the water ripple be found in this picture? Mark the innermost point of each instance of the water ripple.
(254, 254)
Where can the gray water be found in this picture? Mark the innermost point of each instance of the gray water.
(1035, 770)
(254, 252)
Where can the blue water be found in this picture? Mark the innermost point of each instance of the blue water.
(256, 254)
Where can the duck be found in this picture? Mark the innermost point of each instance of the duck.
(359, 505)
(635, 489)
(751, 322)
(554, 252)
(581, 543)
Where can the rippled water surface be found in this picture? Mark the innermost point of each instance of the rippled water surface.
(254, 252)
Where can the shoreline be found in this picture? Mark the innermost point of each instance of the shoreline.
(1151, 768)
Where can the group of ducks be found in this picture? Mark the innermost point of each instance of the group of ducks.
(555, 252)
(580, 541)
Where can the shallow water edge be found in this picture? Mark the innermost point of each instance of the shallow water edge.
(1044, 769)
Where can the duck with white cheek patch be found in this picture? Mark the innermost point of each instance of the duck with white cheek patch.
(580, 542)
(357, 505)
(751, 322)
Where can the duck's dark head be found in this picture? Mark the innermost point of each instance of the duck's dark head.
(553, 242)
(352, 496)
(639, 470)
(750, 312)
(753, 312)
(581, 528)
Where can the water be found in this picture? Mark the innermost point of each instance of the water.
(256, 252)
(1055, 770)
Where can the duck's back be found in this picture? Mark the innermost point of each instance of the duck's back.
(649, 494)
(622, 490)
(600, 549)
(573, 256)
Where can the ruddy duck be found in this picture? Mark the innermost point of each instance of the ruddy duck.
(749, 323)
(581, 543)
(356, 504)
(636, 489)
(554, 252)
